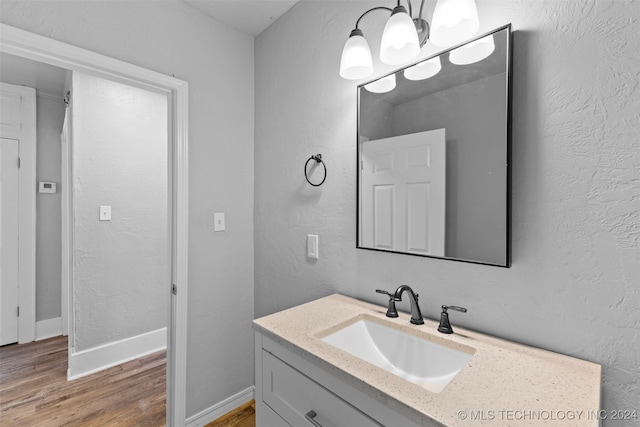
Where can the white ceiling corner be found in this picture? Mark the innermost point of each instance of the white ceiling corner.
(248, 16)
(46, 79)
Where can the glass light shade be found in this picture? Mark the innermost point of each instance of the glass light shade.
(424, 70)
(473, 52)
(383, 85)
(356, 62)
(400, 42)
(454, 21)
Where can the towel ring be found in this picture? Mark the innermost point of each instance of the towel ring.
(318, 159)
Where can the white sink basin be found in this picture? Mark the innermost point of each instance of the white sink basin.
(415, 359)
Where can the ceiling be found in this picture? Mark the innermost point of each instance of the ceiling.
(248, 16)
(46, 79)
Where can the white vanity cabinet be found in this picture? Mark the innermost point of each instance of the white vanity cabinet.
(294, 391)
(298, 371)
(295, 396)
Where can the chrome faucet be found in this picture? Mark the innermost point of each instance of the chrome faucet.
(416, 315)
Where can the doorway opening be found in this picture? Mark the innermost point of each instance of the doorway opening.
(41, 49)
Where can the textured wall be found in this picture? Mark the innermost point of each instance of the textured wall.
(574, 284)
(120, 267)
(217, 62)
(50, 115)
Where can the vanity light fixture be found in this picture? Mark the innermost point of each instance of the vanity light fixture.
(383, 85)
(473, 52)
(356, 60)
(424, 69)
(399, 39)
(453, 22)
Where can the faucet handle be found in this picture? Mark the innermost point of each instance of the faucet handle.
(445, 325)
(453, 307)
(391, 309)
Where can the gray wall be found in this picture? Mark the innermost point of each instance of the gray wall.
(217, 62)
(573, 287)
(121, 269)
(50, 115)
(381, 114)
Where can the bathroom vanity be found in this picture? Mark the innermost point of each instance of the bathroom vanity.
(305, 378)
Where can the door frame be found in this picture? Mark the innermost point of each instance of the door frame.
(66, 226)
(38, 48)
(27, 209)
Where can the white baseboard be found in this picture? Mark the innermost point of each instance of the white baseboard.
(219, 409)
(105, 356)
(48, 328)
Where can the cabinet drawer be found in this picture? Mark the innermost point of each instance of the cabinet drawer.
(292, 395)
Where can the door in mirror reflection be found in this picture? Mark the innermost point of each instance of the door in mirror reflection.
(447, 199)
(403, 193)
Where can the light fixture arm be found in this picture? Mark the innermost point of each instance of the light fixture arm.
(421, 8)
(371, 10)
(422, 27)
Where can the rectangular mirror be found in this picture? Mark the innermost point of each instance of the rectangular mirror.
(434, 150)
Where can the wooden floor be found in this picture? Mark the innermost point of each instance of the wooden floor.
(242, 416)
(34, 390)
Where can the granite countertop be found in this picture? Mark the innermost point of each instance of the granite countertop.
(504, 383)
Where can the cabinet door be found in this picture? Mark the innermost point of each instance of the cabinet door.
(296, 398)
(265, 417)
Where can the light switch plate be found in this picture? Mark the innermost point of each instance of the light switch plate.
(312, 246)
(218, 222)
(105, 213)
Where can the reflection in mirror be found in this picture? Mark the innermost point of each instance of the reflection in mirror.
(433, 149)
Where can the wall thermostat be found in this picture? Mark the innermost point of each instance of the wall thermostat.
(47, 187)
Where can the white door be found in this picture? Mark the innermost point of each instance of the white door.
(9, 214)
(18, 124)
(403, 193)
